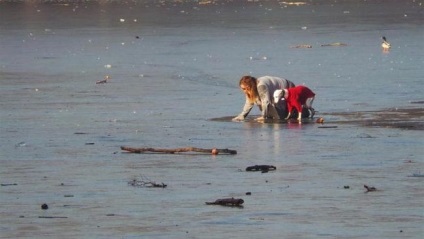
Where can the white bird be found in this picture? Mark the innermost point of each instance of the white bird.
(385, 45)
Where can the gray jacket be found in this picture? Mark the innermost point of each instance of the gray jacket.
(266, 87)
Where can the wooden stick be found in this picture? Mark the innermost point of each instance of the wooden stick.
(178, 150)
(9, 184)
(103, 81)
(370, 189)
(302, 46)
(335, 44)
(227, 202)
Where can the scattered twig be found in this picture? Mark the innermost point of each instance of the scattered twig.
(232, 202)
(302, 46)
(105, 80)
(294, 3)
(9, 184)
(262, 168)
(145, 182)
(49, 217)
(335, 44)
(179, 150)
(370, 189)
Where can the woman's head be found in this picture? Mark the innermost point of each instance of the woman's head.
(248, 86)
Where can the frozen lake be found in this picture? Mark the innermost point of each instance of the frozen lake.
(173, 68)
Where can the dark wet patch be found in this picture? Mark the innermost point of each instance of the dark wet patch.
(406, 118)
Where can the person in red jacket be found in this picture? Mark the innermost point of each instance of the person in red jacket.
(298, 97)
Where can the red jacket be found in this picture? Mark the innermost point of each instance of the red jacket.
(298, 96)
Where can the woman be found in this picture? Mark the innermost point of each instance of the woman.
(260, 92)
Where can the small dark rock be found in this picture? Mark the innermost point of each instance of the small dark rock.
(346, 187)
(248, 193)
(44, 206)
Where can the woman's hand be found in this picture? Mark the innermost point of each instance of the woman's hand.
(238, 118)
(260, 119)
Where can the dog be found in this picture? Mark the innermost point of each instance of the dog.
(297, 98)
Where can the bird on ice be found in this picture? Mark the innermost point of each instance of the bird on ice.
(385, 44)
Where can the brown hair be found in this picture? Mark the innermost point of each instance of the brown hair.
(250, 83)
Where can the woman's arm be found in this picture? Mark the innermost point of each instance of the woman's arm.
(246, 110)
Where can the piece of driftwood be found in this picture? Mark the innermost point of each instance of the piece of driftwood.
(262, 168)
(214, 151)
(335, 44)
(302, 46)
(370, 189)
(294, 3)
(144, 181)
(105, 80)
(232, 202)
(146, 184)
(8, 184)
(51, 217)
